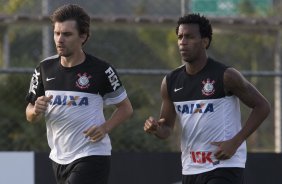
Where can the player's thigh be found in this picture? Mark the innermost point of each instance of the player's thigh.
(89, 170)
(189, 179)
(226, 176)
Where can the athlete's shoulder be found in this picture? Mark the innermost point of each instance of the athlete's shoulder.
(177, 70)
(174, 76)
(50, 59)
(214, 63)
(48, 62)
(93, 60)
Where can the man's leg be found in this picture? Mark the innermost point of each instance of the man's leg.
(89, 170)
(226, 176)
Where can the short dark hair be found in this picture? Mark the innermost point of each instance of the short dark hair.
(73, 12)
(204, 25)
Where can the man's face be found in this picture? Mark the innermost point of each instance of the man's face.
(67, 38)
(190, 43)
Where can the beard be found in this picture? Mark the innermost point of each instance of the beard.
(187, 58)
(63, 53)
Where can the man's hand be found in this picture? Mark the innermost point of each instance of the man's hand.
(151, 125)
(225, 149)
(41, 104)
(96, 133)
(35, 111)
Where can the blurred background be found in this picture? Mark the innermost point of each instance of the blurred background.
(138, 38)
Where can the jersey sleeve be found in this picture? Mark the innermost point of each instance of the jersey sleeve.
(36, 87)
(114, 90)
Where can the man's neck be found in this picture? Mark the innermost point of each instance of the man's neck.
(196, 66)
(73, 60)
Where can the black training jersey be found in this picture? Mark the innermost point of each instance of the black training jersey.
(79, 94)
(206, 115)
(182, 86)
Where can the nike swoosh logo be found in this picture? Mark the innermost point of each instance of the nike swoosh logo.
(48, 79)
(177, 89)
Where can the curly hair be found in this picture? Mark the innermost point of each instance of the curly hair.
(204, 25)
(73, 12)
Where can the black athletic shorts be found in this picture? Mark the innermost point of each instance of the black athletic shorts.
(86, 170)
(217, 176)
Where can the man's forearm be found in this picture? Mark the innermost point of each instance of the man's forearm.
(163, 132)
(31, 116)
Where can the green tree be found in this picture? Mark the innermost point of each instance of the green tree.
(15, 133)
(8, 7)
(11, 6)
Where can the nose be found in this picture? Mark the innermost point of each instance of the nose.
(182, 41)
(58, 37)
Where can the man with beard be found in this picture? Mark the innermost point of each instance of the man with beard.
(69, 90)
(204, 94)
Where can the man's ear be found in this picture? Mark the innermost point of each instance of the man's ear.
(205, 42)
(83, 38)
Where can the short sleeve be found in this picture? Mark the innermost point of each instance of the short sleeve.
(114, 90)
(36, 87)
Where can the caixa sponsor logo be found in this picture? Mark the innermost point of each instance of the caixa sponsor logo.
(69, 100)
(195, 108)
(202, 157)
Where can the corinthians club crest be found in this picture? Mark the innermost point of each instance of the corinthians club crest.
(208, 88)
(83, 81)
